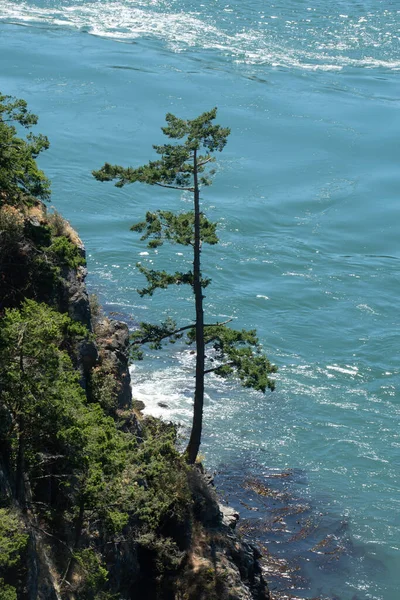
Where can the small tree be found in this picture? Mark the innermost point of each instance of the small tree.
(21, 181)
(183, 166)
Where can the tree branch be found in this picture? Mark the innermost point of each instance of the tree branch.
(51, 475)
(204, 162)
(176, 331)
(174, 187)
(34, 526)
(229, 364)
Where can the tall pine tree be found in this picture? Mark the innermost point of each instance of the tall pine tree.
(184, 165)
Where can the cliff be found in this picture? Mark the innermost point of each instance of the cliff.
(95, 500)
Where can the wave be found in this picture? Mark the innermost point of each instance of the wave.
(327, 43)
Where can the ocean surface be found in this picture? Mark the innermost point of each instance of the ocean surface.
(307, 197)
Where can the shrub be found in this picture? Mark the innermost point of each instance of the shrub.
(7, 592)
(66, 253)
(94, 574)
(95, 307)
(57, 224)
(13, 539)
(11, 224)
(104, 386)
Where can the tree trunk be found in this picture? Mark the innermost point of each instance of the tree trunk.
(195, 436)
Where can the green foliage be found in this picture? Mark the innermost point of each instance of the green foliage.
(7, 592)
(31, 259)
(104, 386)
(37, 379)
(159, 465)
(66, 253)
(13, 538)
(162, 280)
(20, 178)
(167, 555)
(239, 353)
(102, 478)
(175, 167)
(95, 575)
(181, 166)
(148, 333)
(179, 229)
(13, 541)
(57, 223)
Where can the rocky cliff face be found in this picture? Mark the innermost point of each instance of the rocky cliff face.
(111, 344)
(112, 339)
(207, 560)
(218, 563)
(221, 564)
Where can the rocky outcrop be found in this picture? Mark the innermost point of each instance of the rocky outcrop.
(221, 565)
(113, 343)
(229, 515)
(77, 299)
(41, 583)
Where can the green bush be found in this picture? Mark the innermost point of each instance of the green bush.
(94, 575)
(104, 386)
(13, 538)
(21, 181)
(13, 541)
(86, 475)
(7, 592)
(66, 253)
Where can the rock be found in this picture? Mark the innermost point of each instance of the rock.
(113, 343)
(229, 515)
(234, 561)
(77, 298)
(162, 404)
(138, 405)
(129, 423)
(87, 355)
(41, 583)
(205, 503)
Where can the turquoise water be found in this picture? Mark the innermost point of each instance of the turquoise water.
(307, 199)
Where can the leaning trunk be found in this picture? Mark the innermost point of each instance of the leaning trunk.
(195, 436)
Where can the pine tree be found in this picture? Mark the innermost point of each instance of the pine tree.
(184, 166)
(21, 181)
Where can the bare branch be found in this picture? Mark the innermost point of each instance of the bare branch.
(50, 476)
(50, 534)
(204, 162)
(175, 187)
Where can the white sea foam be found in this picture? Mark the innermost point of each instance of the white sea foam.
(164, 392)
(125, 20)
(348, 369)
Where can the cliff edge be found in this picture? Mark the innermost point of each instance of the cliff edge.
(95, 500)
